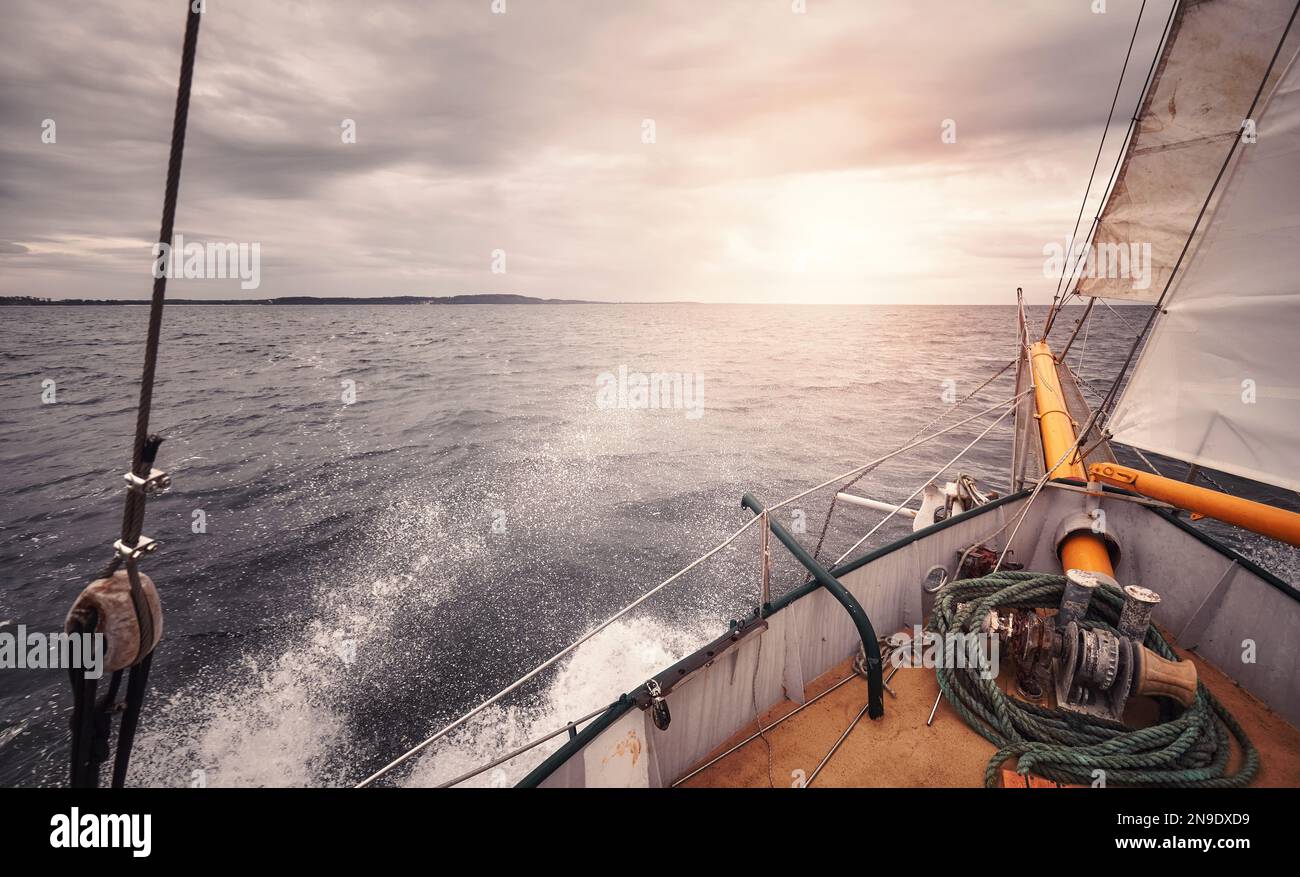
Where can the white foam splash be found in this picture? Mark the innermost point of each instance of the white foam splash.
(264, 726)
(617, 659)
(281, 716)
(275, 719)
(276, 725)
(278, 718)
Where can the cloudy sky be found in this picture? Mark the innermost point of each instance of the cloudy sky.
(795, 157)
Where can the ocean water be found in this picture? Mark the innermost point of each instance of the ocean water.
(373, 566)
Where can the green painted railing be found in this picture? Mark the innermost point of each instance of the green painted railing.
(875, 681)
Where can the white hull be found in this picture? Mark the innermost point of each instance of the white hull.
(1213, 601)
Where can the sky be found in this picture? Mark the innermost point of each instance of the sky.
(640, 150)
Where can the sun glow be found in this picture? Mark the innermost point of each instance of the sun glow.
(827, 237)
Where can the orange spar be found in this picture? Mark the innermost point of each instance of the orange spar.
(1254, 516)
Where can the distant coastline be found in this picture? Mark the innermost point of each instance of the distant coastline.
(308, 300)
(494, 299)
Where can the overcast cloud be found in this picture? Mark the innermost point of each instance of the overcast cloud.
(798, 157)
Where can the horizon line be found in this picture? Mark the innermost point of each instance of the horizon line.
(476, 298)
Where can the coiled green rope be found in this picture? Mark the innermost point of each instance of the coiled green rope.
(1187, 751)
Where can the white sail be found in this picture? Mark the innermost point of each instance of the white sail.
(1218, 382)
(1215, 55)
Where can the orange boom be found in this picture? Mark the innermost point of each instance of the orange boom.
(1255, 516)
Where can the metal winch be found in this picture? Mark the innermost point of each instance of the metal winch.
(1091, 669)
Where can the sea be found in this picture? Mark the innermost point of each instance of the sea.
(382, 515)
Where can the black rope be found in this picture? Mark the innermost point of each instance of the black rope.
(830, 511)
(82, 774)
(135, 689)
(1119, 161)
(146, 445)
(1137, 25)
(91, 719)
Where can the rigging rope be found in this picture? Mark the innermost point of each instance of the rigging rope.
(1114, 171)
(650, 593)
(826, 521)
(1034, 494)
(1189, 751)
(91, 719)
(952, 462)
(1158, 308)
(1137, 25)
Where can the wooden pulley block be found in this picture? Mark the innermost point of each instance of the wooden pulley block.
(106, 607)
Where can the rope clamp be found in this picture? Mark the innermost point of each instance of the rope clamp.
(144, 545)
(157, 482)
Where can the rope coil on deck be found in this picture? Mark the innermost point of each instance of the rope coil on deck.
(1188, 751)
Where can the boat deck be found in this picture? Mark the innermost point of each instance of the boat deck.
(898, 750)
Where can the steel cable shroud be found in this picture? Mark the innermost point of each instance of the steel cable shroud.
(92, 720)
